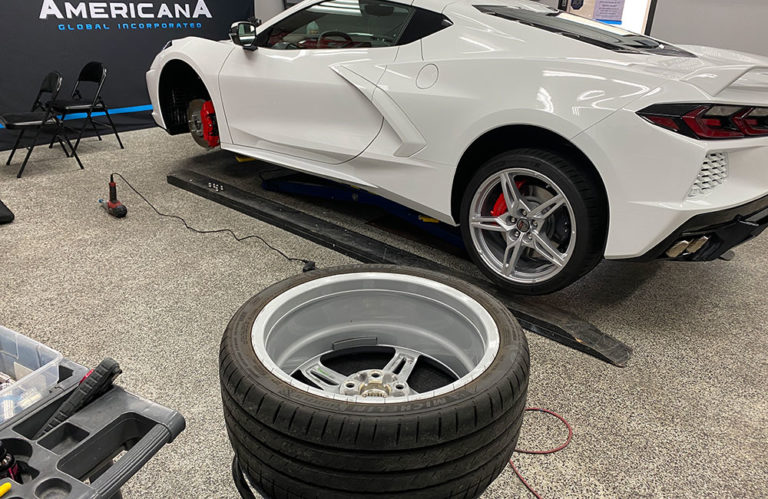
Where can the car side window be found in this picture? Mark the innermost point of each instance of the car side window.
(338, 24)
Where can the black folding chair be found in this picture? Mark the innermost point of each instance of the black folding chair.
(40, 117)
(92, 73)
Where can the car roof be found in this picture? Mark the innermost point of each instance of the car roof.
(439, 5)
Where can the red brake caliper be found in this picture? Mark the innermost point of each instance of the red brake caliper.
(500, 206)
(210, 129)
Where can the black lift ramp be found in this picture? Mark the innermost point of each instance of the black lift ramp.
(533, 314)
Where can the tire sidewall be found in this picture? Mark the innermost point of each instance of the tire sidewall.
(539, 161)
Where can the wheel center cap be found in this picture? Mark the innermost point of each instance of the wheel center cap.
(523, 225)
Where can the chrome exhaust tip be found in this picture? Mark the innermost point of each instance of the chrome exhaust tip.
(678, 248)
(697, 244)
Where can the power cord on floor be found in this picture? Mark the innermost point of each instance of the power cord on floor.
(540, 452)
(308, 264)
(241, 483)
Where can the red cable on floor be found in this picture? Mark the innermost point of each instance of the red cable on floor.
(550, 451)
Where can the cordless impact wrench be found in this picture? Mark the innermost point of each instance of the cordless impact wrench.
(113, 206)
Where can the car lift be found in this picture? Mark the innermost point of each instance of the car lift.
(307, 185)
(532, 313)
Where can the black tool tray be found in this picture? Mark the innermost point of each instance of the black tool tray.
(92, 453)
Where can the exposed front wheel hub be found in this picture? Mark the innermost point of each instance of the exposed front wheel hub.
(201, 118)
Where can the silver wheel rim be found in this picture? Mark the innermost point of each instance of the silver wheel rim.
(534, 239)
(420, 322)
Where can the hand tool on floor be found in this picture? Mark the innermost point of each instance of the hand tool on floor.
(113, 206)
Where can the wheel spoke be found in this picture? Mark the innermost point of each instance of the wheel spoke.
(512, 194)
(488, 223)
(547, 208)
(402, 364)
(547, 249)
(511, 257)
(324, 377)
(529, 236)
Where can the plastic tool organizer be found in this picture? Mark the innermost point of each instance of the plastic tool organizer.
(77, 458)
(33, 368)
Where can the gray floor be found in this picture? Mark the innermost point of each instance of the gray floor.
(688, 416)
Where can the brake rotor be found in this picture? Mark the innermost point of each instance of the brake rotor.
(202, 123)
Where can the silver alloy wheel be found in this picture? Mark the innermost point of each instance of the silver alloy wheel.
(417, 319)
(534, 238)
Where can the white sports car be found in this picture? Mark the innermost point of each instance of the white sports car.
(553, 140)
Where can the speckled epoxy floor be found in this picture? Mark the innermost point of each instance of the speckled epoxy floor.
(688, 416)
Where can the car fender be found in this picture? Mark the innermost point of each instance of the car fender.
(565, 97)
(564, 101)
(206, 58)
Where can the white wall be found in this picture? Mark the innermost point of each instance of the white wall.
(264, 9)
(733, 24)
(633, 18)
(635, 14)
(551, 3)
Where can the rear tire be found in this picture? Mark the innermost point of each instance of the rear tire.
(534, 221)
(292, 443)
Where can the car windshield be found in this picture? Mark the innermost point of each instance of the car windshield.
(583, 29)
(341, 24)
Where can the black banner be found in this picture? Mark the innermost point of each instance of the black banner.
(39, 36)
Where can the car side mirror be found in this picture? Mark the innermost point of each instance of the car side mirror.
(243, 33)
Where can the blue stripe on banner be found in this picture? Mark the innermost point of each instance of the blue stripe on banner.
(119, 110)
(606, 21)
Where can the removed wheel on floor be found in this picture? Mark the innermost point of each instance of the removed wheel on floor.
(373, 381)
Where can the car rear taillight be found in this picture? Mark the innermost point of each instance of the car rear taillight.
(753, 121)
(709, 121)
(712, 122)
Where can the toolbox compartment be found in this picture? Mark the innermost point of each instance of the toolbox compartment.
(77, 458)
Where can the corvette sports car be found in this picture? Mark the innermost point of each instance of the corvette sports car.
(553, 141)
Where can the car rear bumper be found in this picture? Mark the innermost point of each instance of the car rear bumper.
(723, 230)
(649, 175)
